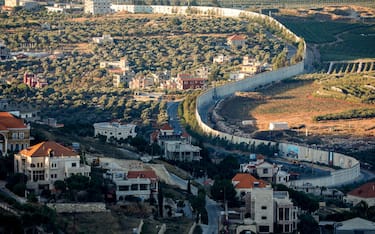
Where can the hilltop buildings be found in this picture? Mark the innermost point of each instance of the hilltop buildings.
(98, 7)
(47, 162)
(14, 133)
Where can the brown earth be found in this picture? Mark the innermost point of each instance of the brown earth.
(295, 104)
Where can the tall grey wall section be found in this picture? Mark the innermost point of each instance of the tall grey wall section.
(350, 166)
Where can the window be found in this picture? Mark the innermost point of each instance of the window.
(14, 135)
(264, 207)
(286, 213)
(286, 228)
(264, 229)
(134, 187)
(264, 217)
(265, 170)
(281, 214)
(143, 187)
(123, 188)
(74, 164)
(21, 135)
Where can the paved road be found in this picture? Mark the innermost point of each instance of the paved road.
(172, 108)
(213, 210)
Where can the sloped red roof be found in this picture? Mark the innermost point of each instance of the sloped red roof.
(44, 148)
(237, 37)
(365, 191)
(150, 174)
(7, 120)
(247, 181)
(166, 127)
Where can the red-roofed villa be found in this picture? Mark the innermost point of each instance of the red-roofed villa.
(46, 162)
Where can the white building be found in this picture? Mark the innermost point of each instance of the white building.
(47, 162)
(106, 38)
(278, 126)
(260, 205)
(98, 7)
(142, 184)
(180, 151)
(115, 130)
(265, 170)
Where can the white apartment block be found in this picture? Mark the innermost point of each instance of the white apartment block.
(115, 130)
(98, 7)
(47, 162)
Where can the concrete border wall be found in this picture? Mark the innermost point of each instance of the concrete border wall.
(350, 166)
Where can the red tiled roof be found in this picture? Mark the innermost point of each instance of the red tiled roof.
(7, 120)
(365, 191)
(236, 37)
(245, 180)
(185, 134)
(44, 148)
(166, 127)
(150, 174)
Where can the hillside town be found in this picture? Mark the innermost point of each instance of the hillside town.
(103, 133)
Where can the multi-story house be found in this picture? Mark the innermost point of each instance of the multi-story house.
(180, 151)
(244, 183)
(264, 170)
(98, 7)
(271, 211)
(115, 130)
(33, 81)
(259, 204)
(14, 133)
(47, 162)
(175, 146)
(142, 82)
(187, 81)
(142, 184)
(285, 213)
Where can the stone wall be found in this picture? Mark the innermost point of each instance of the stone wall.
(78, 207)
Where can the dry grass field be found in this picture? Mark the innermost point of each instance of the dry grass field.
(294, 102)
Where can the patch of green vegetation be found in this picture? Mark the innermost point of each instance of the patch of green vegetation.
(353, 87)
(314, 31)
(351, 114)
(357, 43)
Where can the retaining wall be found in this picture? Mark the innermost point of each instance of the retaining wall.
(78, 207)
